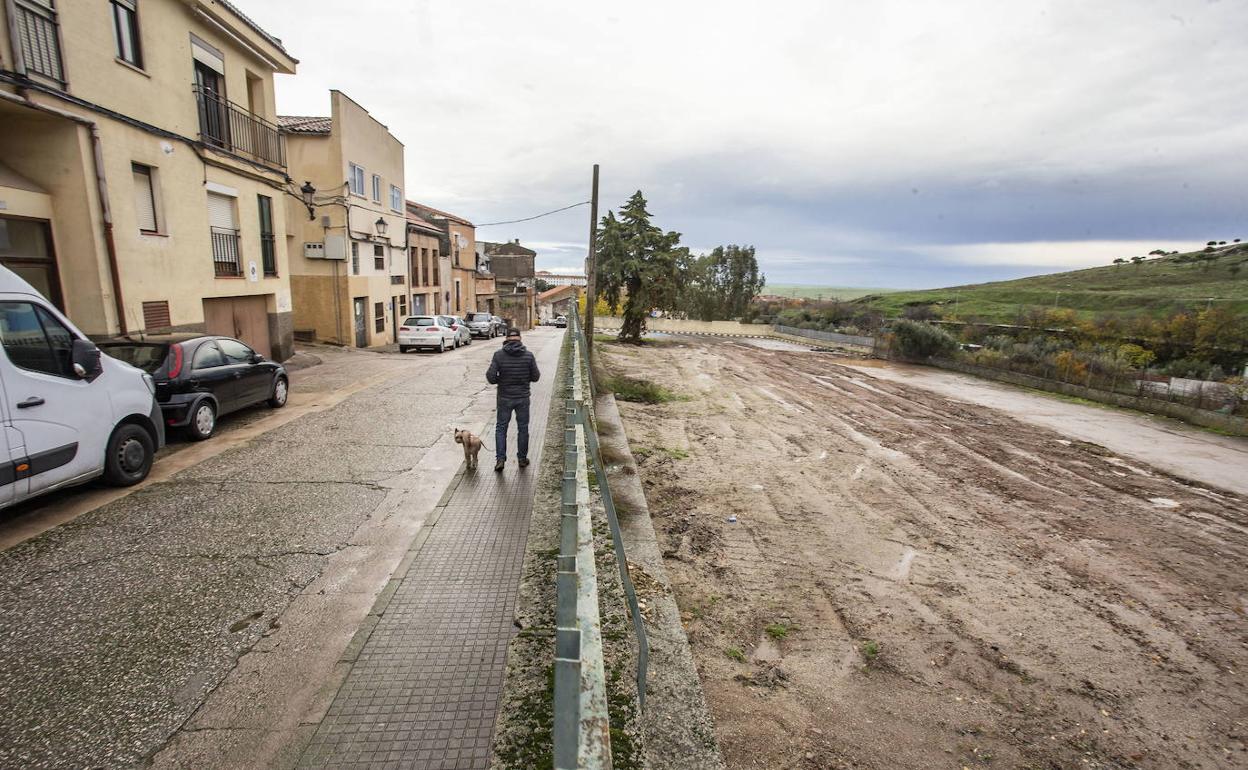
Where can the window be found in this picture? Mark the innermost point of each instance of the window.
(396, 198)
(35, 340)
(145, 198)
(38, 29)
(156, 315)
(235, 352)
(377, 188)
(207, 356)
(357, 180)
(126, 31)
(396, 280)
(403, 304)
(379, 256)
(355, 258)
(457, 294)
(267, 242)
(379, 316)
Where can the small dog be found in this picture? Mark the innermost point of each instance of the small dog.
(472, 445)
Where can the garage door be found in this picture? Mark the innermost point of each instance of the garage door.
(243, 317)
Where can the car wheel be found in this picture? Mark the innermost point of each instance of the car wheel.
(403, 348)
(442, 346)
(281, 389)
(128, 458)
(203, 421)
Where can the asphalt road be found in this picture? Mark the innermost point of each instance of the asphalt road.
(136, 625)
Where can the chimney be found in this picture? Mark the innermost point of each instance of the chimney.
(516, 241)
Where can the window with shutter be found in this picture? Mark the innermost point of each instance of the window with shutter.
(156, 315)
(221, 212)
(376, 188)
(144, 198)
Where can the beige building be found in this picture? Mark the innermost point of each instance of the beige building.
(467, 287)
(427, 265)
(349, 262)
(141, 169)
(512, 266)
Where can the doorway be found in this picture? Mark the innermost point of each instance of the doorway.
(361, 322)
(26, 249)
(245, 318)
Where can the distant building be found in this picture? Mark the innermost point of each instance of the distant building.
(469, 287)
(515, 280)
(560, 300)
(559, 279)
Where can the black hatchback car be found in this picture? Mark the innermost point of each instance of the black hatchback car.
(199, 378)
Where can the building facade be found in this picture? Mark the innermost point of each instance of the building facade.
(515, 281)
(560, 279)
(466, 286)
(141, 168)
(425, 265)
(558, 301)
(348, 233)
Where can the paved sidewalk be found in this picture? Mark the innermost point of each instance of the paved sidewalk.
(427, 672)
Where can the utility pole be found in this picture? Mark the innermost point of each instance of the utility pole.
(591, 268)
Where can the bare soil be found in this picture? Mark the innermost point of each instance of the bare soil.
(872, 576)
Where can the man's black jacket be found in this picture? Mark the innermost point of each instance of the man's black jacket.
(512, 369)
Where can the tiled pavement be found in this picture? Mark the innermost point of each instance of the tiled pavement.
(424, 689)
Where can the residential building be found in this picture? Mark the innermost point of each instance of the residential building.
(560, 279)
(349, 260)
(141, 168)
(458, 241)
(514, 279)
(558, 301)
(426, 265)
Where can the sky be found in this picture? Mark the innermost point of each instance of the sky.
(884, 144)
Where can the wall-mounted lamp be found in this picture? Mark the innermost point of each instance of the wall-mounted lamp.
(308, 191)
(380, 226)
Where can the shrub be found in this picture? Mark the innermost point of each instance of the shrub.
(640, 391)
(1192, 368)
(918, 340)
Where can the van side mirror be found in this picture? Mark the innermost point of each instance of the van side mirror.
(85, 357)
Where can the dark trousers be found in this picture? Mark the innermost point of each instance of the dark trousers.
(505, 407)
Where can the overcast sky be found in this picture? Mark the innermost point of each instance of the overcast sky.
(887, 143)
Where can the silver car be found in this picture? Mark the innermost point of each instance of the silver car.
(481, 325)
(463, 334)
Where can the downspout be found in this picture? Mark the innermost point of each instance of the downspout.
(101, 182)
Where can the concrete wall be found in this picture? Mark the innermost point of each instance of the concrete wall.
(1224, 422)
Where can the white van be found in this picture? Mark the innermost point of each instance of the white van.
(68, 414)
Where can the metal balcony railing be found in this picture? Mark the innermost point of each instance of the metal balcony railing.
(269, 254)
(224, 124)
(226, 259)
(39, 37)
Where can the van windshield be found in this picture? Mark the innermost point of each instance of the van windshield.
(147, 356)
(420, 320)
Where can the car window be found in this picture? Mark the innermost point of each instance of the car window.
(423, 320)
(207, 356)
(235, 351)
(446, 320)
(35, 340)
(143, 355)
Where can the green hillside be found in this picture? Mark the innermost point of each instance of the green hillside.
(1157, 287)
(805, 291)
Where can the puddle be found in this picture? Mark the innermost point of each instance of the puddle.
(1163, 502)
(1123, 464)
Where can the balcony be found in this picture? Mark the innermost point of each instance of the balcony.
(226, 260)
(226, 125)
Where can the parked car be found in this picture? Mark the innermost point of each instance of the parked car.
(427, 331)
(561, 322)
(69, 414)
(481, 325)
(463, 335)
(201, 378)
(500, 326)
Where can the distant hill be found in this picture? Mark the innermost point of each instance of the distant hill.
(1158, 287)
(804, 291)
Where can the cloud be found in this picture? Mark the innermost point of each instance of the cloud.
(1051, 254)
(865, 131)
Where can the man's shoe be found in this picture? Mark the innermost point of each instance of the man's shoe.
(524, 462)
(498, 465)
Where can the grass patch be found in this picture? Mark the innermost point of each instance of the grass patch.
(870, 650)
(779, 631)
(641, 391)
(735, 653)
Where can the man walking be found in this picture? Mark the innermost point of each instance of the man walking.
(512, 369)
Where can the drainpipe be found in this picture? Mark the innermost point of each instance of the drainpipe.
(106, 213)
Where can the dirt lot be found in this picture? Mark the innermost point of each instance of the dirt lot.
(913, 582)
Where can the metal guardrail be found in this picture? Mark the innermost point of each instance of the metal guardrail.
(844, 339)
(581, 726)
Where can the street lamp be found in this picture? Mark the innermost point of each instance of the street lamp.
(380, 226)
(308, 191)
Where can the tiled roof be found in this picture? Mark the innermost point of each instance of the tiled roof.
(507, 249)
(422, 224)
(552, 293)
(304, 124)
(433, 213)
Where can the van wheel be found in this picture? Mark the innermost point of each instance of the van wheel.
(128, 458)
(281, 389)
(203, 421)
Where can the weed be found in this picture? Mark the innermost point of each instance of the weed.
(870, 650)
(736, 654)
(676, 454)
(641, 391)
(778, 630)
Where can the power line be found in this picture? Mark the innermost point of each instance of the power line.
(529, 219)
